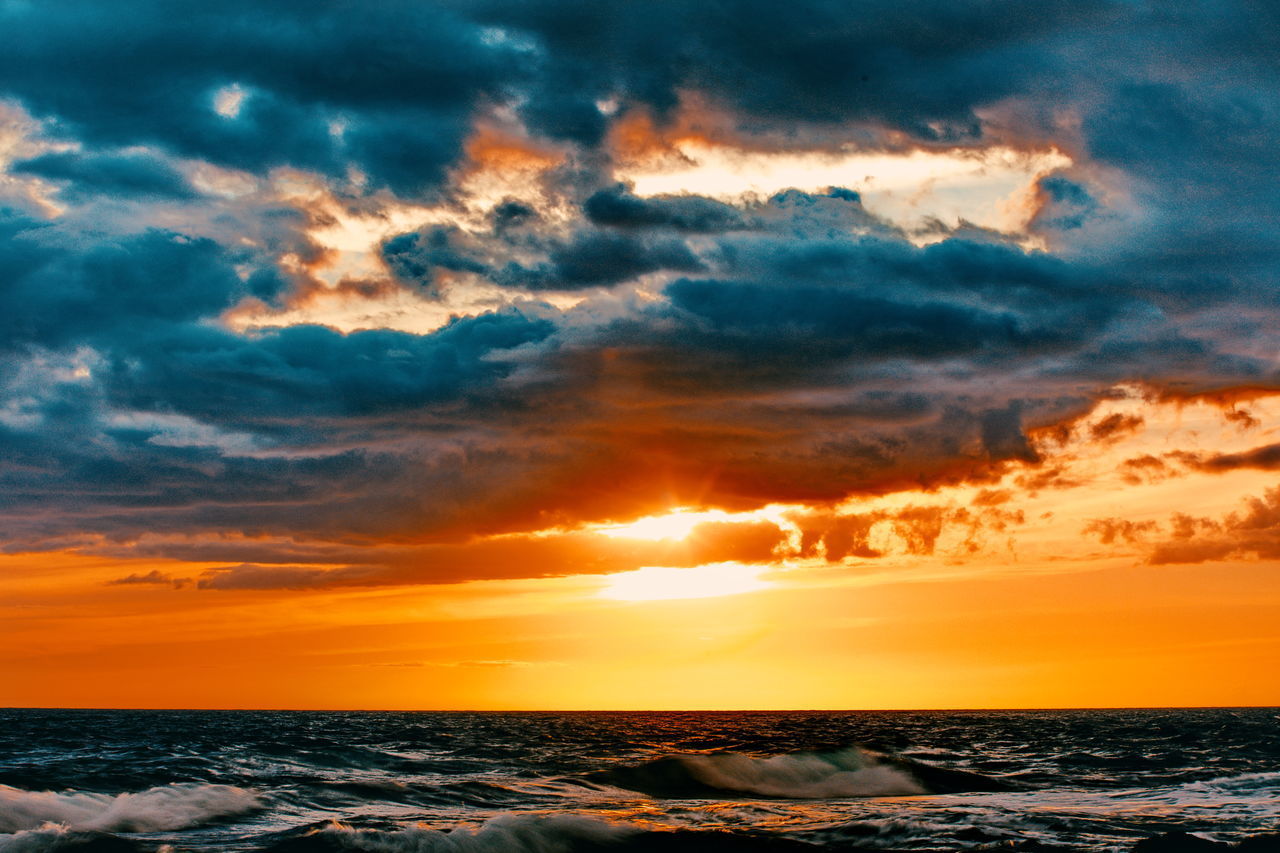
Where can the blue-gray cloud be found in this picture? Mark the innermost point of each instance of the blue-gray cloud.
(794, 347)
(619, 207)
(399, 80)
(117, 175)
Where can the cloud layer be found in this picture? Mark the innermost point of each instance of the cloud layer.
(167, 167)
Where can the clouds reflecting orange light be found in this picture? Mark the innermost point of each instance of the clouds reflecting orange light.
(985, 187)
(1042, 587)
(670, 569)
(676, 524)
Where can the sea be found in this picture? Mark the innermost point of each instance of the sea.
(114, 781)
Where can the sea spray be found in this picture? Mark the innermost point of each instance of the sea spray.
(168, 807)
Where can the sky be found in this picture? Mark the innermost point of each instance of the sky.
(590, 354)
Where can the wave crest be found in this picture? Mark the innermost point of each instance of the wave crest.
(155, 810)
(846, 773)
(503, 834)
(515, 833)
(57, 839)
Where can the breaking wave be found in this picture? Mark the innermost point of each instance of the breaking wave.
(851, 772)
(530, 834)
(57, 839)
(503, 834)
(1096, 781)
(159, 809)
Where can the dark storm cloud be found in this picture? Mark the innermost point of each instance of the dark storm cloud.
(922, 66)
(414, 257)
(600, 258)
(310, 371)
(642, 236)
(791, 348)
(819, 304)
(563, 102)
(835, 323)
(511, 214)
(55, 295)
(125, 409)
(143, 302)
(119, 175)
(618, 207)
(400, 78)
(590, 258)
(871, 407)
(1065, 204)
(812, 306)
(960, 268)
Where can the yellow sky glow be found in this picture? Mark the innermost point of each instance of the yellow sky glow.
(662, 583)
(1039, 613)
(986, 187)
(676, 524)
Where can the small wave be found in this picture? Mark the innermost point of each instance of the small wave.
(155, 810)
(1266, 784)
(503, 834)
(804, 775)
(531, 834)
(56, 839)
(848, 773)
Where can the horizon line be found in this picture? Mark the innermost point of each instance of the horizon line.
(649, 710)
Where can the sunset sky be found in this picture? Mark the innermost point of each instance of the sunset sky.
(594, 354)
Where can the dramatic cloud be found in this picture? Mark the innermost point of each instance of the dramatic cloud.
(151, 578)
(1253, 532)
(312, 283)
(1266, 458)
(388, 90)
(129, 175)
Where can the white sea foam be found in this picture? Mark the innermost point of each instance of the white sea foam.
(33, 840)
(157, 809)
(851, 773)
(1265, 785)
(502, 834)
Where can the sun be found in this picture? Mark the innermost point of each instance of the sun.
(664, 583)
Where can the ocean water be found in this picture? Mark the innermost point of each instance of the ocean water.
(570, 783)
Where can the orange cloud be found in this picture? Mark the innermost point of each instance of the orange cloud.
(492, 149)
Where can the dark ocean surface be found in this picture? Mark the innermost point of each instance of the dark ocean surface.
(567, 783)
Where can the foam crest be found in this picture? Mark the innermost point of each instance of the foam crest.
(58, 839)
(850, 773)
(502, 834)
(802, 775)
(32, 840)
(1263, 784)
(157, 809)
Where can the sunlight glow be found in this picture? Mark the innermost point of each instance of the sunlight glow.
(985, 187)
(228, 100)
(664, 583)
(676, 524)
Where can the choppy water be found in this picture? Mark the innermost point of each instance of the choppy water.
(547, 783)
